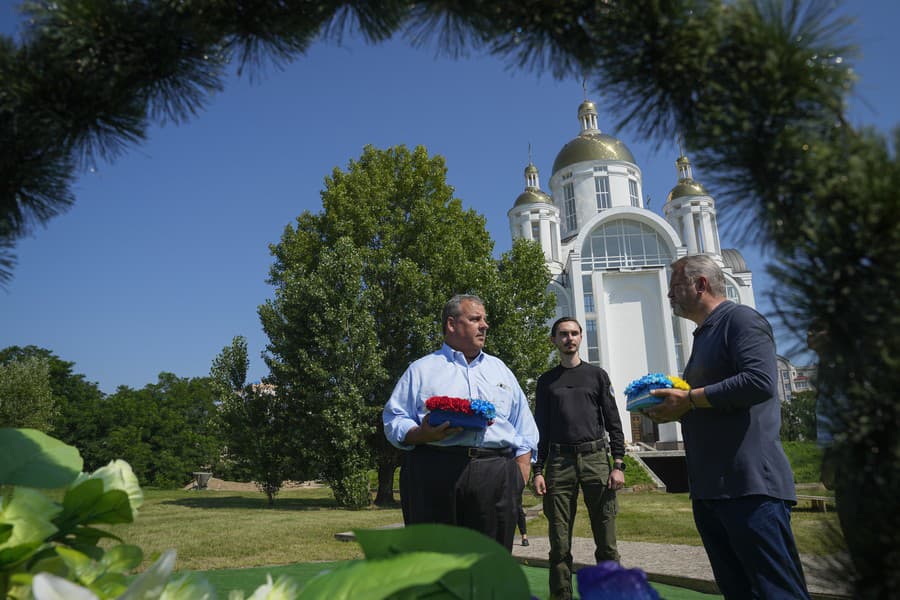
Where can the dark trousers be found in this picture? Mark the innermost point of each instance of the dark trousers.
(521, 520)
(564, 474)
(437, 486)
(751, 547)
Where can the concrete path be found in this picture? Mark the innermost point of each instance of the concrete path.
(683, 566)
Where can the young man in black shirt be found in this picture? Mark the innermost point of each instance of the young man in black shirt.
(575, 410)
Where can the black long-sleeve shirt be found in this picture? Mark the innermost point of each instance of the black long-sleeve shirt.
(576, 405)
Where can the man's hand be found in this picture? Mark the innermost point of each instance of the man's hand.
(425, 433)
(616, 480)
(540, 486)
(674, 404)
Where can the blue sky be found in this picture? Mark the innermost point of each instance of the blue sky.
(164, 257)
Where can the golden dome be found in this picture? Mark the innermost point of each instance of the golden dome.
(592, 146)
(687, 187)
(532, 196)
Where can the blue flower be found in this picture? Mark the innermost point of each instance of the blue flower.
(483, 408)
(610, 581)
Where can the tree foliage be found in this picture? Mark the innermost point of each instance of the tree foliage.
(359, 291)
(757, 87)
(164, 430)
(798, 418)
(79, 418)
(254, 422)
(26, 399)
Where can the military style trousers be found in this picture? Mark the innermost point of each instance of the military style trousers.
(564, 474)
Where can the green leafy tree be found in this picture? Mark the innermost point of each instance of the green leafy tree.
(229, 368)
(165, 430)
(254, 422)
(26, 399)
(408, 246)
(80, 418)
(798, 417)
(519, 308)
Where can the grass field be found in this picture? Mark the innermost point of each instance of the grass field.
(223, 530)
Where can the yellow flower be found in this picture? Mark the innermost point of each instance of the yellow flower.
(678, 383)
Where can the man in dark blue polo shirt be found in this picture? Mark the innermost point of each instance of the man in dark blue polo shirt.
(741, 483)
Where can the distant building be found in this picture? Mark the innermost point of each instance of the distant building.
(609, 256)
(793, 379)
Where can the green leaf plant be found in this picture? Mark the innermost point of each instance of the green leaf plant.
(49, 549)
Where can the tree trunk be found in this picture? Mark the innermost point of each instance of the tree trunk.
(387, 464)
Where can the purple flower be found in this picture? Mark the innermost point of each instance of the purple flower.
(610, 581)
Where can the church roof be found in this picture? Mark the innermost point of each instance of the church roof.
(592, 146)
(733, 258)
(687, 187)
(533, 196)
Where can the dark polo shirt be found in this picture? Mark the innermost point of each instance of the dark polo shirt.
(734, 448)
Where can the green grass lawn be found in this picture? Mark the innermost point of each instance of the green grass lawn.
(224, 530)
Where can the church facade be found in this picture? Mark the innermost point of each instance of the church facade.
(610, 260)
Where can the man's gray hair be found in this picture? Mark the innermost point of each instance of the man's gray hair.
(453, 308)
(701, 265)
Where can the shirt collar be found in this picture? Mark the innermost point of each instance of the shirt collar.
(712, 318)
(457, 356)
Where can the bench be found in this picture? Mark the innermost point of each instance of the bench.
(819, 503)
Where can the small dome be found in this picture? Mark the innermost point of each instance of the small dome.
(531, 169)
(586, 107)
(532, 196)
(687, 187)
(592, 146)
(732, 258)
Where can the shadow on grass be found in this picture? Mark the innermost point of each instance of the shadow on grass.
(286, 503)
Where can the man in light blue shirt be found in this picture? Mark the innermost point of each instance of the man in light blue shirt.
(453, 475)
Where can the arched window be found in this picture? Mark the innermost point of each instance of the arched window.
(731, 292)
(624, 243)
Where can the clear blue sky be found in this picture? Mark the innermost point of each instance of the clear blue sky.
(164, 257)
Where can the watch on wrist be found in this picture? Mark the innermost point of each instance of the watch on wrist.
(620, 465)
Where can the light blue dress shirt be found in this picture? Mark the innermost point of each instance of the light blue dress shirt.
(446, 372)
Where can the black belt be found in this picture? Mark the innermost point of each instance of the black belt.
(582, 448)
(471, 452)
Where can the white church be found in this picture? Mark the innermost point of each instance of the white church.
(609, 256)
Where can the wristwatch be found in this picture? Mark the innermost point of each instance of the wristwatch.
(620, 465)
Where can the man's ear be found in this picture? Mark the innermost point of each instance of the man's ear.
(701, 284)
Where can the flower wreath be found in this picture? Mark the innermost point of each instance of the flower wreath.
(481, 412)
(638, 391)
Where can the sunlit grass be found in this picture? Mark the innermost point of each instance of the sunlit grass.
(222, 530)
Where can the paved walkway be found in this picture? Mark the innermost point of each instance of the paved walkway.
(683, 566)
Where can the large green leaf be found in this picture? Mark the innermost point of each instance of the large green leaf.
(34, 459)
(80, 499)
(6, 530)
(30, 513)
(123, 557)
(496, 575)
(384, 577)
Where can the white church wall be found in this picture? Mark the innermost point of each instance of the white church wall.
(632, 329)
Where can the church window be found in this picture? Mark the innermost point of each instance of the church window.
(731, 292)
(590, 330)
(588, 291)
(536, 231)
(633, 192)
(569, 199)
(624, 243)
(601, 186)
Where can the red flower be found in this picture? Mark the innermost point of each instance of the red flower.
(448, 403)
